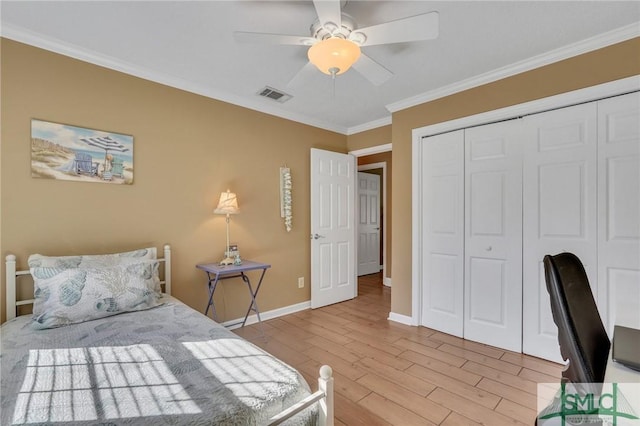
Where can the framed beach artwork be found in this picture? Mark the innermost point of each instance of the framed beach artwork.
(63, 152)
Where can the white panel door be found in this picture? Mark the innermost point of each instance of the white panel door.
(443, 232)
(493, 235)
(368, 223)
(619, 211)
(559, 190)
(333, 235)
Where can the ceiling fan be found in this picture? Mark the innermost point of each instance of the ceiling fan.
(335, 40)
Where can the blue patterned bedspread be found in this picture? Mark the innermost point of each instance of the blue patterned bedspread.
(169, 365)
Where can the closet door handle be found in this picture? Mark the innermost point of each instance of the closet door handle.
(489, 248)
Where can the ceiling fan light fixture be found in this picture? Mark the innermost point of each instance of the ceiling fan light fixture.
(334, 54)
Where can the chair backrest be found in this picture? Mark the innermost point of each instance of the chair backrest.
(582, 337)
(117, 166)
(83, 162)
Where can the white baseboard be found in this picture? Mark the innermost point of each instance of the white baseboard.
(386, 281)
(275, 313)
(402, 319)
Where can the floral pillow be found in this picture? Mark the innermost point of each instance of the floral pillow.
(67, 295)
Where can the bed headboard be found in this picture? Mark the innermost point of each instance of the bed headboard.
(12, 275)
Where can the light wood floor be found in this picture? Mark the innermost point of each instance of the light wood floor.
(389, 373)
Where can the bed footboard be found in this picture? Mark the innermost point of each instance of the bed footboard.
(324, 395)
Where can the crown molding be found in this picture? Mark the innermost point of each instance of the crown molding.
(597, 42)
(587, 94)
(57, 46)
(372, 150)
(385, 121)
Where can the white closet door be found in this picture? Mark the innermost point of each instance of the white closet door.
(619, 210)
(559, 211)
(443, 235)
(493, 235)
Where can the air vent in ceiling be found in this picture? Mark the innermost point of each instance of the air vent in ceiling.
(275, 94)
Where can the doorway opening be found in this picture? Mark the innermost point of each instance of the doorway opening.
(378, 160)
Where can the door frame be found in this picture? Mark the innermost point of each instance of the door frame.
(589, 94)
(382, 165)
(370, 151)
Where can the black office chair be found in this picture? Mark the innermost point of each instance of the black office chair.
(581, 336)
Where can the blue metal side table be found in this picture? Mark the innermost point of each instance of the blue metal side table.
(216, 272)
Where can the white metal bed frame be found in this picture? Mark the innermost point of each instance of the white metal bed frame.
(324, 394)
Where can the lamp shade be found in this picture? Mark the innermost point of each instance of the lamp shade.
(228, 203)
(334, 55)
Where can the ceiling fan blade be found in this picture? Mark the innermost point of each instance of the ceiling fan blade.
(265, 38)
(371, 70)
(413, 28)
(302, 76)
(328, 11)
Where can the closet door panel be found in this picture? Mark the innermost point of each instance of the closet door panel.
(487, 204)
(559, 189)
(493, 235)
(619, 210)
(487, 291)
(561, 197)
(443, 232)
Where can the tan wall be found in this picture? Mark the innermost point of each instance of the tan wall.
(384, 157)
(367, 139)
(600, 66)
(187, 149)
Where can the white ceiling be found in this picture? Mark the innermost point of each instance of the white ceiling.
(190, 45)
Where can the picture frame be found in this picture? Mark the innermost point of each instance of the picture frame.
(233, 250)
(66, 152)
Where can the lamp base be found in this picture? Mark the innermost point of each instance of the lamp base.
(226, 261)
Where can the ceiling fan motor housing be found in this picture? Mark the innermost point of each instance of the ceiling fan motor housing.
(329, 29)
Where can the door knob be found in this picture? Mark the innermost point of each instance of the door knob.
(316, 236)
(489, 248)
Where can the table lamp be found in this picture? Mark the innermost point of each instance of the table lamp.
(227, 205)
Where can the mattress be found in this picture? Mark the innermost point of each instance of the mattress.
(169, 365)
